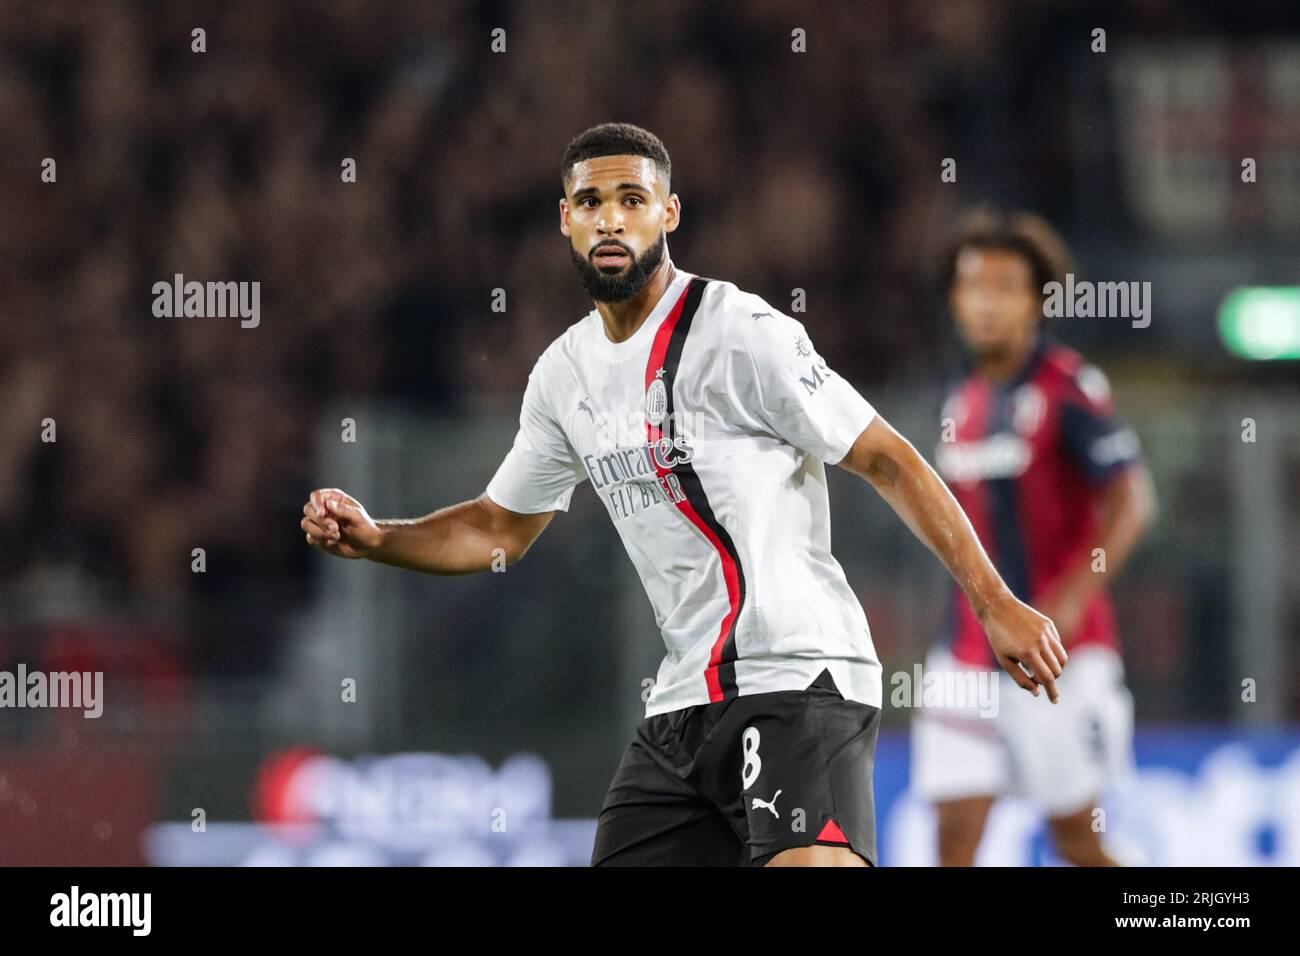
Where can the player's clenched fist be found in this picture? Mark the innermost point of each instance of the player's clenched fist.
(1025, 640)
(336, 523)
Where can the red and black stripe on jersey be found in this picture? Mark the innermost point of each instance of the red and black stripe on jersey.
(666, 354)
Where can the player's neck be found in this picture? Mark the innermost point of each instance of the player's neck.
(1005, 366)
(622, 319)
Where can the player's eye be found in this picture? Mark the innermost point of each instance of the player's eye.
(635, 200)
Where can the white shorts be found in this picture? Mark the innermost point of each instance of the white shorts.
(1060, 756)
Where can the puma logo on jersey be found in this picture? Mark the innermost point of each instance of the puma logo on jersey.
(767, 805)
(583, 406)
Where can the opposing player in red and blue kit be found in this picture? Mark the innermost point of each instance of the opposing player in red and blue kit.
(1058, 495)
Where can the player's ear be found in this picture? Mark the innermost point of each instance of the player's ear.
(672, 213)
(564, 216)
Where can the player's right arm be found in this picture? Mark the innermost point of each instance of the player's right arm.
(464, 538)
(535, 480)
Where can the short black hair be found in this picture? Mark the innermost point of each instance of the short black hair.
(1026, 234)
(615, 139)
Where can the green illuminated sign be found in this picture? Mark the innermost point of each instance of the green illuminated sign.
(1262, 322)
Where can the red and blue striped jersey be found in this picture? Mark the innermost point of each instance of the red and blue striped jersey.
(1027, 459)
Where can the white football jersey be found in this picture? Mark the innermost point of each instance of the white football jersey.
(704, 435)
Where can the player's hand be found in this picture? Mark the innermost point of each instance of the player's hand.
(336, 523)
(1025, 641)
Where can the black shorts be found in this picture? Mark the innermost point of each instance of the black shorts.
(736, 782)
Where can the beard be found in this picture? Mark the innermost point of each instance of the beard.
(619, 287)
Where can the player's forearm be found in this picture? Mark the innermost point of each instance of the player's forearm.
(920, 498)
(460, 539)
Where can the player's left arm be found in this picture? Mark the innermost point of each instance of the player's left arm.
(1128, 509)
(1108, 456)
(1022, 638)
(788, 388)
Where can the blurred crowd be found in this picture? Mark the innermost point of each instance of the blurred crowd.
(816, 170)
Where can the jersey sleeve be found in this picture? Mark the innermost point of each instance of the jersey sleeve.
(1092, 436)
(540, 471)
(795, 394)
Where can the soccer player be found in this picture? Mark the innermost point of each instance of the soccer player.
(702, 416)
(1058, 494)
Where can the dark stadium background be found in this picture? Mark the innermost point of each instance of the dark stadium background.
(818, 171)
